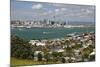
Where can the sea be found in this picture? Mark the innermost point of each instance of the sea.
(48, 33)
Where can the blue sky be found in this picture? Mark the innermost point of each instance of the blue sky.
(53, 11)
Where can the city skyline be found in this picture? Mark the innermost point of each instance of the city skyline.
(52, 11)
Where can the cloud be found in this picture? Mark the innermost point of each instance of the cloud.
(89, 11)
(49, 10)
(59, 5)
(46, 13)
(63, 9)
(60, 9)
(57, 10)
(37, 6)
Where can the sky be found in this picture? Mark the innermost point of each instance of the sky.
(51, 11)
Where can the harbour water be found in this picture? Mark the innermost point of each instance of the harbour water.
(48, 33)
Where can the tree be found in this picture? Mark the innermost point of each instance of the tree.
(92, 58)
(17, 40)
(47, 56)
(69, 52)
(21, 48)
(39, 57)
(63, 60)
(55, 54)
(85, 53)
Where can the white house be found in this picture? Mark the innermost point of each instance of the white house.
(37, 43)
(40, 44)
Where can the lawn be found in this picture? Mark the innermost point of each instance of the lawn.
(25, 62)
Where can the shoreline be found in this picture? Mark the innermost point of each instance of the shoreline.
(68, 26)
